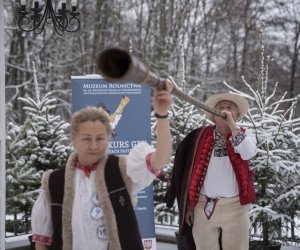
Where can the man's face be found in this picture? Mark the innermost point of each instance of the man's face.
(228, 106)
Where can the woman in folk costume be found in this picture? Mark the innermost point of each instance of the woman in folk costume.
(212, 181)
(88, 204)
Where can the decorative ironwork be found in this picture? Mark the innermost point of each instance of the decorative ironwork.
(62, 20)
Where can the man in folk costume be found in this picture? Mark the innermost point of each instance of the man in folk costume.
(212, 181)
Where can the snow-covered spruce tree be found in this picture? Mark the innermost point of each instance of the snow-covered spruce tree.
(40, 143)
(184, 117)
(276, 165)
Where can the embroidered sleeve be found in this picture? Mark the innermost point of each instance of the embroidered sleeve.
(41, 222)
(149, 165)
(42, 239)
(238, 138)
(245, 144)
(139, 168)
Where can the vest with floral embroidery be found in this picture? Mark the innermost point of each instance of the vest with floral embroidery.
(241, 169)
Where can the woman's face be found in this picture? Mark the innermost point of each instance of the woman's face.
(91, 142)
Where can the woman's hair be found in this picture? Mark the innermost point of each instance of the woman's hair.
(89, 114)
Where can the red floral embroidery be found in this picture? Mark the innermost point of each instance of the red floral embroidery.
(200, 171)
(241, 169)
(42, 239)
(149, 166)
(86, 169)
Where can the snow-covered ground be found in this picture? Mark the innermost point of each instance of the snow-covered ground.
(166, 246)
(169, 246)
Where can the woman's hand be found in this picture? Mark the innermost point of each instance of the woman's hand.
(162, 99)
(39, 246)
(161, 103)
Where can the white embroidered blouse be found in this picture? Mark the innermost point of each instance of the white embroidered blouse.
(87, 218)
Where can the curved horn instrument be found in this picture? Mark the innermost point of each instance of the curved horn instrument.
(116, 64)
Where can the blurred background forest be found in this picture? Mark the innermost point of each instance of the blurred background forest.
(221, 41)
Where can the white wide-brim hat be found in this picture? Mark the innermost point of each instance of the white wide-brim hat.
(241, 103)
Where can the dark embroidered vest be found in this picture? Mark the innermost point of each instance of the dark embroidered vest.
(127, 225)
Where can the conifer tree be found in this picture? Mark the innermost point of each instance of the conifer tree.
(40, 143)
(276, 165)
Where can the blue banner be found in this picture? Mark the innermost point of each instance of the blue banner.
(129, 107)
